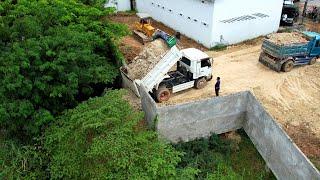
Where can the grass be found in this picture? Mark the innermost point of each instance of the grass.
(221, 158)
(219, 47)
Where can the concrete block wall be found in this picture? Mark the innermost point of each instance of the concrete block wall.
(185, 122)
(278, 150)
(189, 121)
(149, 107)
(127, 82)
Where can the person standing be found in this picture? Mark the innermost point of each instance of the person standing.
(217, 86)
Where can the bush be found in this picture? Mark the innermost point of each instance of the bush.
(219, 47)
(102, 139)
(50, 52)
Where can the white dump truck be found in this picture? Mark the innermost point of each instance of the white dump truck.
(193, 70)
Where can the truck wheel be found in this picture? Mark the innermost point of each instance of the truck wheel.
(313, 61)
(287, 66)
(163, 94)
(200, 83)
(209, 78)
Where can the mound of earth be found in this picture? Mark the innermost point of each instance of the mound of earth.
(147, 59)
(287, 38)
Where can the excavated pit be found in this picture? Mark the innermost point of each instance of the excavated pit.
(188, 121)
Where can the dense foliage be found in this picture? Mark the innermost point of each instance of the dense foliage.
(99, 139)
(218, 158)
(50, 52)
(102, 139)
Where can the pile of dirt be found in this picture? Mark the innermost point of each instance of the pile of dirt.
(287, 38)
(147, 59)
(130, 48)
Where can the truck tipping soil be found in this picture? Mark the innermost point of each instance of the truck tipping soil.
(147, 59)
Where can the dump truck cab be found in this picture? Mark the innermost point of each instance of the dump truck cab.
(196, 62)
(193, 69)
(315, 45)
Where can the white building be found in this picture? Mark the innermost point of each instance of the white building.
(119, 5)
(211, 22)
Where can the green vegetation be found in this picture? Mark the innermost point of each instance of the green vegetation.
(219, 47)
(52, 52)
(99, 139)
(218, 158)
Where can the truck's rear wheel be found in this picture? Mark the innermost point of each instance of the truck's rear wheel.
(163, 94)
(287, 66)
(313, 61)
(200, 83)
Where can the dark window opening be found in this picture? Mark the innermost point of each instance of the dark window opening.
(205, 63)
(318, 43)
(186, 61)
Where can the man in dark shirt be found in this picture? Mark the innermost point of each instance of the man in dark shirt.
(217, 86)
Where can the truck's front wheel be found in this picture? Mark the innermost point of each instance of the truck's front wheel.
(287, 66)
(313, 61)
(163, 94)
(200, 83)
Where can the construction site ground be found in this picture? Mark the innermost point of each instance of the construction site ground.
(292, 98)
(131, 47)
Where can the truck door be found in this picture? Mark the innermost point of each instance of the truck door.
(316, 49)
(205, 67)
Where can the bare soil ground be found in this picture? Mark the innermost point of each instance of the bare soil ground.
(130, 47)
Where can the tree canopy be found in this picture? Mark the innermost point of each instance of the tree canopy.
(50, 52)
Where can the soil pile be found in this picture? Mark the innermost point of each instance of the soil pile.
(287, 38)
(147, 59)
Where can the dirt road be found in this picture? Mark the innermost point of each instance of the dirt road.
(292, 98)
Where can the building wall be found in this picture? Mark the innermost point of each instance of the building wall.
(120, 5)
(235, 21)
(190, 17)
(219, 21)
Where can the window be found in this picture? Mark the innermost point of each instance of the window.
(205, 63)
(186, 61)
(317, 43)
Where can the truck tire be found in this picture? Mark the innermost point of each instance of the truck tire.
(287, 66)
(200, 83)
(313, 61)
(209, 78)
(163, 94)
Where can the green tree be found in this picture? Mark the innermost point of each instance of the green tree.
(102, 139)
(52, 51)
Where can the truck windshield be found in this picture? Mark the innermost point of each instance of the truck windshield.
(317, 43)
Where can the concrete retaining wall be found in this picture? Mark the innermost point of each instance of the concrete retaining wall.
(192, 120)
(280, 153)
(127, 82)
(201, 118)
(149, 107)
